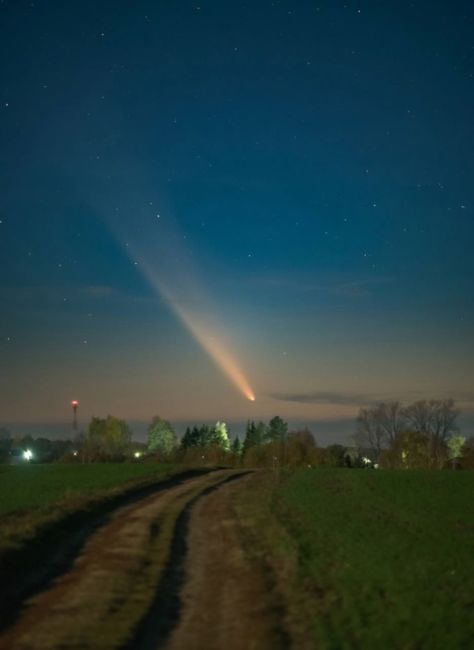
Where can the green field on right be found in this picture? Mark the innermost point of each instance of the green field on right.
(369, 559)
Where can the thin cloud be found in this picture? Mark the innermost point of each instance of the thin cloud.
(337, 286)
(361, 399)
(319, 397)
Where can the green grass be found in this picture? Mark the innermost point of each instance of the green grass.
(372, 559)
(28, 487)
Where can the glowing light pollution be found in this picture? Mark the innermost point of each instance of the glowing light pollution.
(207, 338)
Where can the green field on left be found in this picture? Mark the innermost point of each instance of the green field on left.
(29, 487)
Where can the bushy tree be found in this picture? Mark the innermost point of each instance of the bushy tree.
(409, 450)
(162, 438)
(455, 447)
(334, 456)
(301, 450)
(106, 438)
(219, 436)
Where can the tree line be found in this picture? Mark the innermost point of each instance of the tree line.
(424, 434)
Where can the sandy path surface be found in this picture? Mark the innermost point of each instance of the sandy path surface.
(94, 603)
(225, 603)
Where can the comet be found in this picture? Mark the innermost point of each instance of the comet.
(208, 335)
(154, 243)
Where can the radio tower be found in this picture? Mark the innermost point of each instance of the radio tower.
(74, 405)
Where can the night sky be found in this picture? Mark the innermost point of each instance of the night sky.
(295, 177)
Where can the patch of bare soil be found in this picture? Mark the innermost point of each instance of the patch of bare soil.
(225, 601)
(110, 585)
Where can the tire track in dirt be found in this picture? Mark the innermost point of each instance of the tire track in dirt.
(219, 598)
(166, 609)
(53, 552)
(108, 589)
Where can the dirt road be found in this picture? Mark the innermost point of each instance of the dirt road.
(165, 571)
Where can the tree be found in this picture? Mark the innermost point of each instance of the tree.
(194, 437)
(161, 436)
(437, 420)
(334, 456)
(254, 435)
(467, 461)
(205, 435)
(202, 436)
(237, 446)
(455, 445)
(277, 430)
(301, 450)
(42, 450)
(219, 436)
(409, 450)
(187, 440)
(110, 436)
(5, 444)
(377, 427)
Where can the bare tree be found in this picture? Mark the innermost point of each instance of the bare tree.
(444, 418)
(383, 425)
(436, 418)
(391, 419)
(378, 427)
(369, 433)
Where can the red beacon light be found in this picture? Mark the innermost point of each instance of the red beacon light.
(74, 404)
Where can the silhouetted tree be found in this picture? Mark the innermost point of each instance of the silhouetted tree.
(467, 460)
(334, 456)
(277, 430)
(192, 438)
(301, 450)
(377, 427)
(237, 446)
(437, 420)
(254, 435)
(5, 444)
(106, 438)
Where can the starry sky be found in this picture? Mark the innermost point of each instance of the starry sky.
(296, 175)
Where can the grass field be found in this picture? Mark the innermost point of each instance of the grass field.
(369, 559)
(29, 487)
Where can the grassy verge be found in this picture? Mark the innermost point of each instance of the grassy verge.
(30, 487)
(365, 559)
(36, 502)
